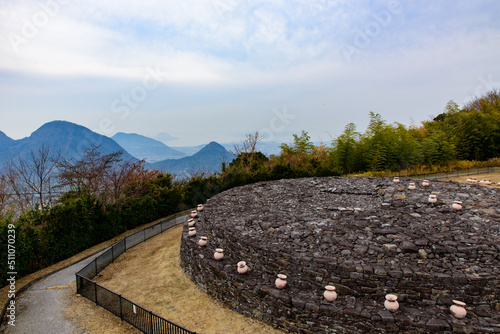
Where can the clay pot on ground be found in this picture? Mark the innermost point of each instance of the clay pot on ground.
(396, 179)
(199, 207)
(242, 267)
(425, 183)
(218, 255)
(330, 294)
(192, 232)
(391, 303)
(457, 310)
(412, 186)
(194, 214)
(203, 241)
(281, 281)
(432, 198)
(457, 206)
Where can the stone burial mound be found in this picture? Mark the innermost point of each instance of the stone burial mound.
(367, 237)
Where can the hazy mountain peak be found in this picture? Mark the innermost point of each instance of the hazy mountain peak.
(209, 160)
(146, 148)
(164, 137)
(66, 138)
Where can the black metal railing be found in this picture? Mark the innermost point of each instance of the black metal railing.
(136, 315)
(449, 173)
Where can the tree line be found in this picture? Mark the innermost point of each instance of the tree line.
(470, 133)
(63, 206)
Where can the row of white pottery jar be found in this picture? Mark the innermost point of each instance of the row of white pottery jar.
(432, 198)
(487, 182)
(457, 309)
(411, 186)
(391, 303)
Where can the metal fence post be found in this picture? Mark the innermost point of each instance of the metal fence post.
(95, 293)
(151, 320)
(121, 311)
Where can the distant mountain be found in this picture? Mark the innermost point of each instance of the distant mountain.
(164, 137)
(5, 140)
(190, 150)
(209, 160)
(5, 145)
(66, 138)
(146, 148)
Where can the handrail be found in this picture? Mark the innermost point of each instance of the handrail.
(451, 173)
(136, 315)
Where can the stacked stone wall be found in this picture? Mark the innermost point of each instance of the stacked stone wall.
(366, 236)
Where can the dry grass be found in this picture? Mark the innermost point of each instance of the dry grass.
(493, 177)
(150, 275)
(93, 319)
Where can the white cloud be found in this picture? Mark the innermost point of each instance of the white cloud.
(262, 53)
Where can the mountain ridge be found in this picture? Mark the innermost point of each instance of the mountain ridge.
(62, 137)
(70, 139)
(208, 160)
(146, 148)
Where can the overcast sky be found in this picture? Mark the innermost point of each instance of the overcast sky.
(216, 70)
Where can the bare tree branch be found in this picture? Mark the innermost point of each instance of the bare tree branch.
(248, 145)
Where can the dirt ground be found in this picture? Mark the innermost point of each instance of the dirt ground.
(94, 319)
(493, 177)
(151, 276)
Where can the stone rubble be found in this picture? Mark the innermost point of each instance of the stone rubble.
(366, 236)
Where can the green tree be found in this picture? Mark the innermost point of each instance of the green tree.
(345, 150)
(377, 140)
(301, 144)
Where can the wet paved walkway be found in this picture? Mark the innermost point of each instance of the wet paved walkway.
(41, 308)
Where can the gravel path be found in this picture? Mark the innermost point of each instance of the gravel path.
(41, 308)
